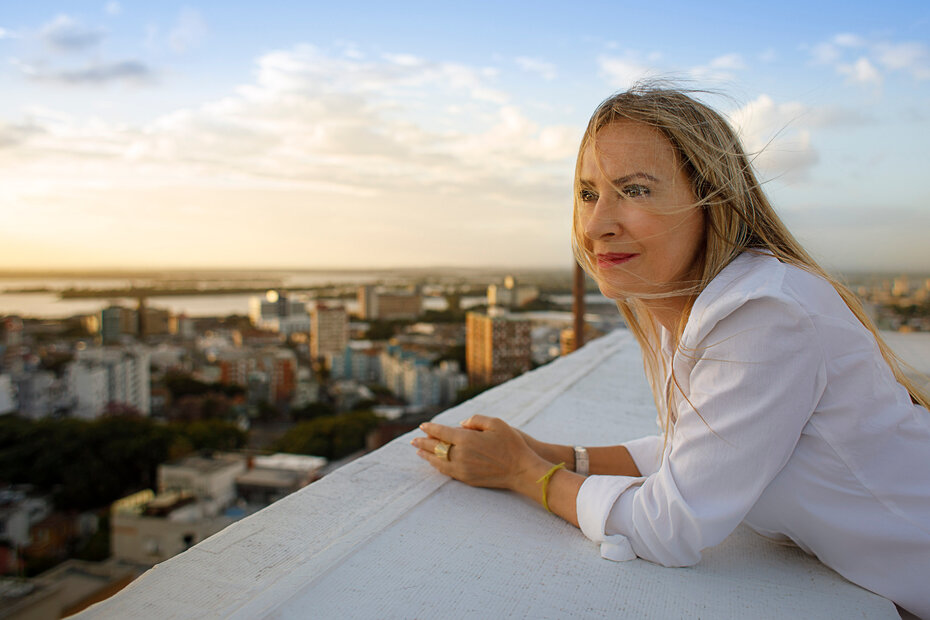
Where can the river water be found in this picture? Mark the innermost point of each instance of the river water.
(50, 306)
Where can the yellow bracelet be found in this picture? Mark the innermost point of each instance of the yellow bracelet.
(545, 482)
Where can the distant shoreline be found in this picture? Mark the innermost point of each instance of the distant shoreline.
(149, 292)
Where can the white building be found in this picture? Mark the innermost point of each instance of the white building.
(147, 529)
(128, 377)
(510, 295)
(279, 313)
(212, 481)
(306, 391)
(39, 393)
(18, 513)
(89, 389)
(416, 380)
(359, 361)
(7, 401)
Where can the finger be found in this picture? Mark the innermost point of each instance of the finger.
(444, 433)
(479, 422)
(440, 465)
(427, 444)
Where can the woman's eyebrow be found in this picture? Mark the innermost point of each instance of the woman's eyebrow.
(623, 179)
(635, 175)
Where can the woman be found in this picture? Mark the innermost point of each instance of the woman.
(781, 407)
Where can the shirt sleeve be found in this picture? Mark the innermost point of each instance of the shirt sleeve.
(646, 453)
(748, 387)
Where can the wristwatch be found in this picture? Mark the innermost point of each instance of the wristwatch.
(581, 460)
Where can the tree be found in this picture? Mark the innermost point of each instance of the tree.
(313, 410)
(470, 392)
(332, 437)
(212, 435)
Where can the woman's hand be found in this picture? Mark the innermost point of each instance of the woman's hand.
(485, 452)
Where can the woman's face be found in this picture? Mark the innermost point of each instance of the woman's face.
(637, 213)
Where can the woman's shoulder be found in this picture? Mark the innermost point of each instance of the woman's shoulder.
(758, 276)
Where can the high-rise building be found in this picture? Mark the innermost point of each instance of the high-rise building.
(283, 376)
(498, 347)
(388, 306)
(367, 302)
(111, 319)
(399, 305)
(329, 329)
(235, 366)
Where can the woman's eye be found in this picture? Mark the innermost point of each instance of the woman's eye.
(635, 191)
(587, 195)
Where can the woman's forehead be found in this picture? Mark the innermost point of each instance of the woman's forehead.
(628, 143)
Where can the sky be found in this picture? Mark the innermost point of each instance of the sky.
(352, 134)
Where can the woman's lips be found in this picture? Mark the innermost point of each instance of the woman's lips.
(612, 259)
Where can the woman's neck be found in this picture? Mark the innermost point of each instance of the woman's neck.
(669, 312)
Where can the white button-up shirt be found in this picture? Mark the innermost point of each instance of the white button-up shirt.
(788, 419)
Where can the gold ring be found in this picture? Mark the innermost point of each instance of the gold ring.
(442, 450)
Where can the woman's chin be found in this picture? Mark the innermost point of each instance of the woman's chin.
(612, 292)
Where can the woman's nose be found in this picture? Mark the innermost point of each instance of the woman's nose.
(602, 222)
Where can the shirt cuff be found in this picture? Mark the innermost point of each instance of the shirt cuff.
(596, 499)
(646, 453)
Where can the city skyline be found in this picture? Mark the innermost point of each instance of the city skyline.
(209, 135)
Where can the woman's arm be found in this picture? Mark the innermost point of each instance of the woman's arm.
(603, 460)
(487, 452)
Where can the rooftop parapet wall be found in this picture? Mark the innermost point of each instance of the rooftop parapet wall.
(387, 537)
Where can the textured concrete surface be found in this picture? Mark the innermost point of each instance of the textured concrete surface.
(387, 537)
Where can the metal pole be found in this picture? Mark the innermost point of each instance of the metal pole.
(578, 305)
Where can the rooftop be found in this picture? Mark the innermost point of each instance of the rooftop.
(204, 464)
(387, 537)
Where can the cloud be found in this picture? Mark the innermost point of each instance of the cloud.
(314, 120)
(861, 72)
(825, 53)
(720, 69)
(305, 69)
(774, 139)
(324, 143)
(542, 68)
(16, 135)
(624, 72)
(69, 35)
(728, 62)
(849, 40)
(127, 72)
(862, 61)
(913, 58)
(113, 8)
(7, 34)
(189, 31)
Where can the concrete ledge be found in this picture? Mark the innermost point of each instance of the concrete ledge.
(387, 537)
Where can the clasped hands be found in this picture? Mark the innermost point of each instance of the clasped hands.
(484, 452)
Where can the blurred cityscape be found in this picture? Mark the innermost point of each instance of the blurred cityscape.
(132, 430)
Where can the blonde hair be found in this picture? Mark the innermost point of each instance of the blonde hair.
(738, 216)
